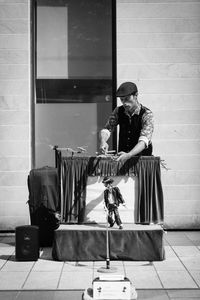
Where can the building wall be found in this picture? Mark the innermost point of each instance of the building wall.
(158, 48)
(14, 112)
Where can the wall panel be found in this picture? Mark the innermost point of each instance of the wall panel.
(14, 112)
(158, 48)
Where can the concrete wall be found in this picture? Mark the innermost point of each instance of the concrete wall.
(14, 112)
(158, 47)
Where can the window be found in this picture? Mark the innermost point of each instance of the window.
(74, 51)
(75, 74)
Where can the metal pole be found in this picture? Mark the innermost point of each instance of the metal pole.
(107, 269)
(107, 245)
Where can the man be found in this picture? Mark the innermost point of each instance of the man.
(112, 199)
(135, 125)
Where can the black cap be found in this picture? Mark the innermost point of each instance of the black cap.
(107, 180)
(126, 88)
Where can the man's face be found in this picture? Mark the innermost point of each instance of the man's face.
(129, 102)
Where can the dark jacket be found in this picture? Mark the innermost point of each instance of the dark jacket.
(116, 195)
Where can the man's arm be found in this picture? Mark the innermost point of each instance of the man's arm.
(104, 136)
(139, 147)
(147, 127)
(106, 131)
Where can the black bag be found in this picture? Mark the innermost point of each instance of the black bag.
(44, 202)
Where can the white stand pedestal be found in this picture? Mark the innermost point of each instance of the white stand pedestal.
(111, 287)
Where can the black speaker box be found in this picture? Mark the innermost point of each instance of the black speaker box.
(27, 243)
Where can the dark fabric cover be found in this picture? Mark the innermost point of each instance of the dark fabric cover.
(87, 243)
(75, 171)
(43, 188)
(44, 202)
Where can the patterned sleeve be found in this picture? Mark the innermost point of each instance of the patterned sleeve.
(112, 120)
(147, 127)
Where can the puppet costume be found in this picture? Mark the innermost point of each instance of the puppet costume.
(112, 199)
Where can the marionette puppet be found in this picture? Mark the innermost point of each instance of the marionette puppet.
(112, 199)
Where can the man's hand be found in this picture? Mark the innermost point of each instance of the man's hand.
(104, 148)
(123, 157)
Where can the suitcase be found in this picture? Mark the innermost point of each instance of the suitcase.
(44, 202)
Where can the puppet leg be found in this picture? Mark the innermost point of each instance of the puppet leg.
(110, 217)
(117, 218)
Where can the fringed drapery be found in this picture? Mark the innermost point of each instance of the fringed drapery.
(74, 178)
(150, 194)
(75, 171)
(68, 214)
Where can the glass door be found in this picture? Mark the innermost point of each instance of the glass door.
(75, 74)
